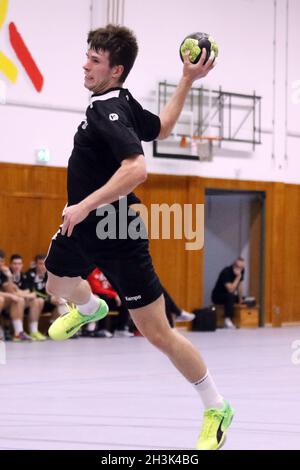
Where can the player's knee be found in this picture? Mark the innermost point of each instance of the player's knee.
(55, 288)
(159, 339)
(61, 287)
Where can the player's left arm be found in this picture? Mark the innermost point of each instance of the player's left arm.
(191, 72)
(131, 173)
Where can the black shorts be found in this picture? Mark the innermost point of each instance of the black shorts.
(126, 263)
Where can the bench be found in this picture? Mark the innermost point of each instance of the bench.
(244, 317)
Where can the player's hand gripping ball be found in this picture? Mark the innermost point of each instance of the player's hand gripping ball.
(195, 43)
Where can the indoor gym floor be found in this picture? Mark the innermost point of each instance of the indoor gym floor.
(123, 394)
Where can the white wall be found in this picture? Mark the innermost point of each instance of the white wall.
(244, 30)
(56, 31)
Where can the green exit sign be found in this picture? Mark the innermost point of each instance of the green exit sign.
(42, 156)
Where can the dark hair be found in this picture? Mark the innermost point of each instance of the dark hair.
(15, 256)
(240, 259)
(2, 254)
(121, 44)
(39, 257)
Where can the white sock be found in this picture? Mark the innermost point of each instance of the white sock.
(33, 326)
(62, 308)
(91, 326)
(18, 326)
(90, 307)
(208, 392)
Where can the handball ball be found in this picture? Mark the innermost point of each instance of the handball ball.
(195, 43)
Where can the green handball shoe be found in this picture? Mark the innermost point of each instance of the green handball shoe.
(69, 323)
(215, 424)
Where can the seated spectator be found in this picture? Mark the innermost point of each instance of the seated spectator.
(229, 289)
(101, 286)
(24, 288)
(3, 268)
(38, 275)
(11, 302)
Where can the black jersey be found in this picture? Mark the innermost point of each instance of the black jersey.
(38, 282)
(23, 281)
(227, 275)
(113, 130)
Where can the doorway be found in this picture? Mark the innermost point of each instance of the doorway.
(235, 226)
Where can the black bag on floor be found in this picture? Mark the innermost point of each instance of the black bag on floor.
(205, 320)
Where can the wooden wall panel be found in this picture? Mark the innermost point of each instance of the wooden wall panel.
(276, 251)
(34, 180)
(195, 259)
(180, 270)
(31, 202)
(255, 248)
(169, 256)
(290, 263)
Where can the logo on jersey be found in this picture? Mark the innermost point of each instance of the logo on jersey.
(136, 297)
(113, 117)
(84, 125)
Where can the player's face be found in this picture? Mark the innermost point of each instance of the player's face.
(16, 266)
(239, 265)
(40, 266)
(99, 76)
